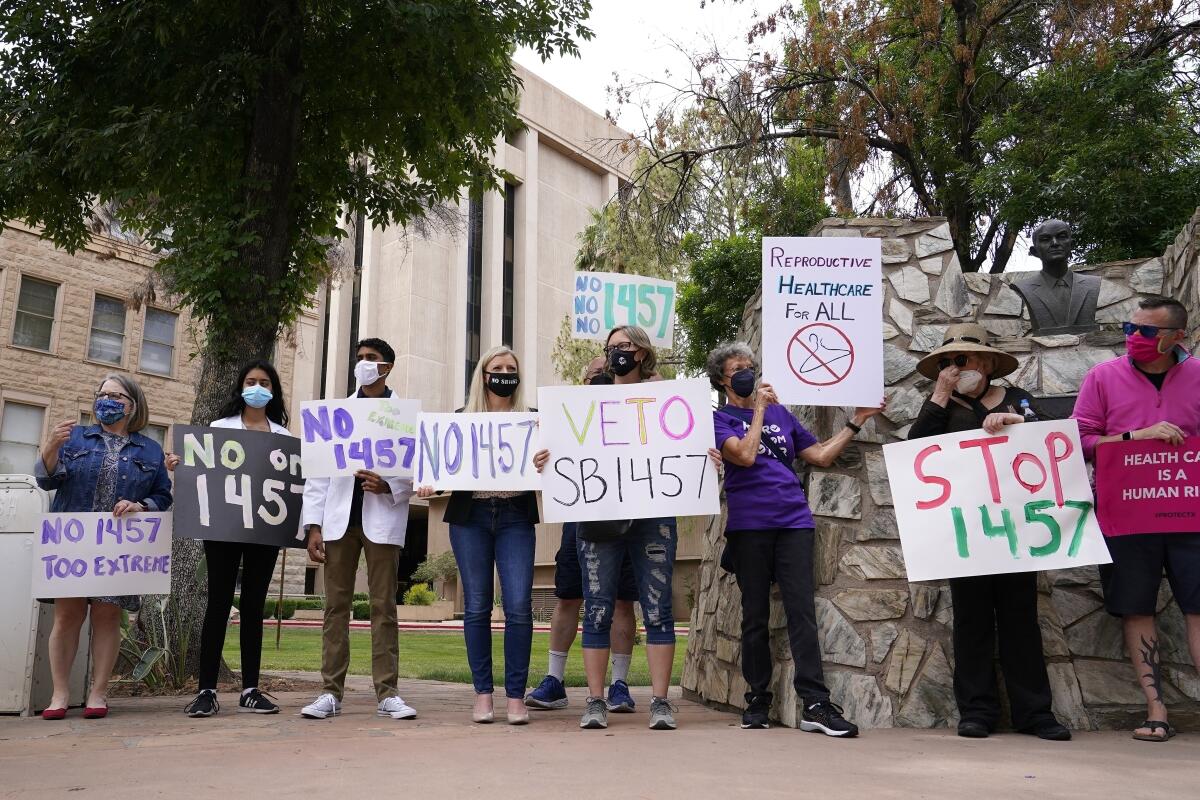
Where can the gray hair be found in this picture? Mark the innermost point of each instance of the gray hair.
(715, 366)
(141, 411)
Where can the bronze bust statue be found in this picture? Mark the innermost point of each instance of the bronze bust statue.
(1059, 300)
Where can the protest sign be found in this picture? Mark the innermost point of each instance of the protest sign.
(1148, 486)
(234, 485)
(822, 320)
(604, 300)
(627, 452)
(486, 451)
(971, 503)
(341, 437)
(99, 555)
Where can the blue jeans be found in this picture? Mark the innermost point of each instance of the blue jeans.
(499, 537)
(650, 544)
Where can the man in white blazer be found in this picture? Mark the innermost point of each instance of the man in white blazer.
(342, 518)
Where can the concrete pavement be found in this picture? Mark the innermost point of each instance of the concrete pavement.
(148, 748)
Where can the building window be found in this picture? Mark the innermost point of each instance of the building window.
(158, 342)
(510, 253)
(474, 283)
(35, 313)
(107, 342)
(360, 232)
(158, 433)
(20, 435)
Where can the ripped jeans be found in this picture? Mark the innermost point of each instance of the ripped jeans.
(651, 546)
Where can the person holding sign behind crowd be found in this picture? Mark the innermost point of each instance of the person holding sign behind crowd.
(344, 517)
(492, 532)
(769, 532)
(568, 591)
(1152, 392)
(108, 466)
(256, 404)
(988, 607)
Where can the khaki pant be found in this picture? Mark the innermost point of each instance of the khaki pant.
(341, 564)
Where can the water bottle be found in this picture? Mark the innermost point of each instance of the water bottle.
(1027, 412)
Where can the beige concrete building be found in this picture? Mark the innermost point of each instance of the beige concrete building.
(505, 276)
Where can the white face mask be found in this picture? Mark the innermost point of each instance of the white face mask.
(366, 372)
(969, 381)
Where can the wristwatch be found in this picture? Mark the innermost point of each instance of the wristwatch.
(1127, 436)
(853, 427)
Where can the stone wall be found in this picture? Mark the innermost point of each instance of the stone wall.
(886, 643)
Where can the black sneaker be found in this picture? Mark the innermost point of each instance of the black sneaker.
(1051, 730)
(205, 704)
(826, 717)
(757, 713)
(255, 702)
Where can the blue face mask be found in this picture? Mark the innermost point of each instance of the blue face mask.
(109, 411)
(256, 396)
(742, 382)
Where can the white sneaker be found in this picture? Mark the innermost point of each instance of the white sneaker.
(396, 708)
(324, 706)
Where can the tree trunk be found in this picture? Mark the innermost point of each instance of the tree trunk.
(250, 327)
(839, 178)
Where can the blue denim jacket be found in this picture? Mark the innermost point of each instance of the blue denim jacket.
(141, 476)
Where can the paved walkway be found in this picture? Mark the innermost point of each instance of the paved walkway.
(148, 748)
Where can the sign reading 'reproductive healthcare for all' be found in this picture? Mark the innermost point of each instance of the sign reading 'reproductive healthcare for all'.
(490, 451)
(627, 452)
(604, 300)
(340, 437)
(1148, 486)
(99, 555)
(971, 503)
(234, 485)
(822, 320)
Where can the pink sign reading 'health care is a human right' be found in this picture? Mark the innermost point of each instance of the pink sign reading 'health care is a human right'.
(1148, 486)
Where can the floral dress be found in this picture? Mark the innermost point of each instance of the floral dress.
(106, 499)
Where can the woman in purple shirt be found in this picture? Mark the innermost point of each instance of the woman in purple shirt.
(769, 532)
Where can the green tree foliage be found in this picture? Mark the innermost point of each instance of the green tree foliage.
(233, 135)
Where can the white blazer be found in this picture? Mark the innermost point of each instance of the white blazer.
(236, 422)
(384, 516)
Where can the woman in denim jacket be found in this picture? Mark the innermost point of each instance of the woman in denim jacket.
(103, 467)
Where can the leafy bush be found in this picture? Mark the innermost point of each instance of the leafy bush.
(311, 604)
(419, 595)
(361, 609)
(271, 610)
(436, 567)
(361, 596)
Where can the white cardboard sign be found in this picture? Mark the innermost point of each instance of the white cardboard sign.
(99, 555)
(822, 320)
(486, 451)
(975, 504)
(604, 300)
(628, 451)
(341, 437)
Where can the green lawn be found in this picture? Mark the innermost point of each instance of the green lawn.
(427, 655)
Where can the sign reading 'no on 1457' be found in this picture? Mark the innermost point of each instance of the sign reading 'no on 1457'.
(604, 300)
(822, 320)
(972, 503)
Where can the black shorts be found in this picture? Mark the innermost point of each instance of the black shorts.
(1131, 582)
(568, 575)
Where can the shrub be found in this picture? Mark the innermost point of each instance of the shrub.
(419, 595)
(361, 596)
(310, 604)
(436, 567)
(271, 610)
(361, 609)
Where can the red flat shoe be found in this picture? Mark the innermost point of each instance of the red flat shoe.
(95, 713)
(54, 713)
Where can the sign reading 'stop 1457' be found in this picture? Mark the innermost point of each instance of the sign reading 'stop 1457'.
(822, 320)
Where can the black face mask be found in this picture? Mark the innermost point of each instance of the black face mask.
(603, 379)
(620, 362)
(742, 382)
(503, 384)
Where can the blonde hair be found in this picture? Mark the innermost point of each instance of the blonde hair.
(141, 412)
(638, 336)
(477, 396)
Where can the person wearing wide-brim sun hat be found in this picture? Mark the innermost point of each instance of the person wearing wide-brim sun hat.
(988, 607)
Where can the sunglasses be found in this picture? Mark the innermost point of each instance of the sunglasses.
(1149, 331)
(959, 361)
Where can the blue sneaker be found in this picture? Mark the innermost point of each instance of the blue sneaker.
(549, 695)
(620, 701)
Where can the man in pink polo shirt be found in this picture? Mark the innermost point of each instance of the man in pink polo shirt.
(1151, 393)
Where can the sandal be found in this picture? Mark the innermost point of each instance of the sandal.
(1154, 726)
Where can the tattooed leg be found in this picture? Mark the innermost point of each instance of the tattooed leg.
(1145, 653)
(1152, 663)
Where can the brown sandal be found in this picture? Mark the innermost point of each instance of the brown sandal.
(1154, 726)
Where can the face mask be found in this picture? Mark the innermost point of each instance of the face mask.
(603, 379)
(620, 362)
(256, 396)
(366, 372)
(969, 381)
(109, 411)
(1142, 349)
(503, 384)
(742, 382)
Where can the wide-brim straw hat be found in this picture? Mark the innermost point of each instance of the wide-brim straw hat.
(967, 337)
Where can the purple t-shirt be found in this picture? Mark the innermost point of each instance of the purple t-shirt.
(768, 493)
